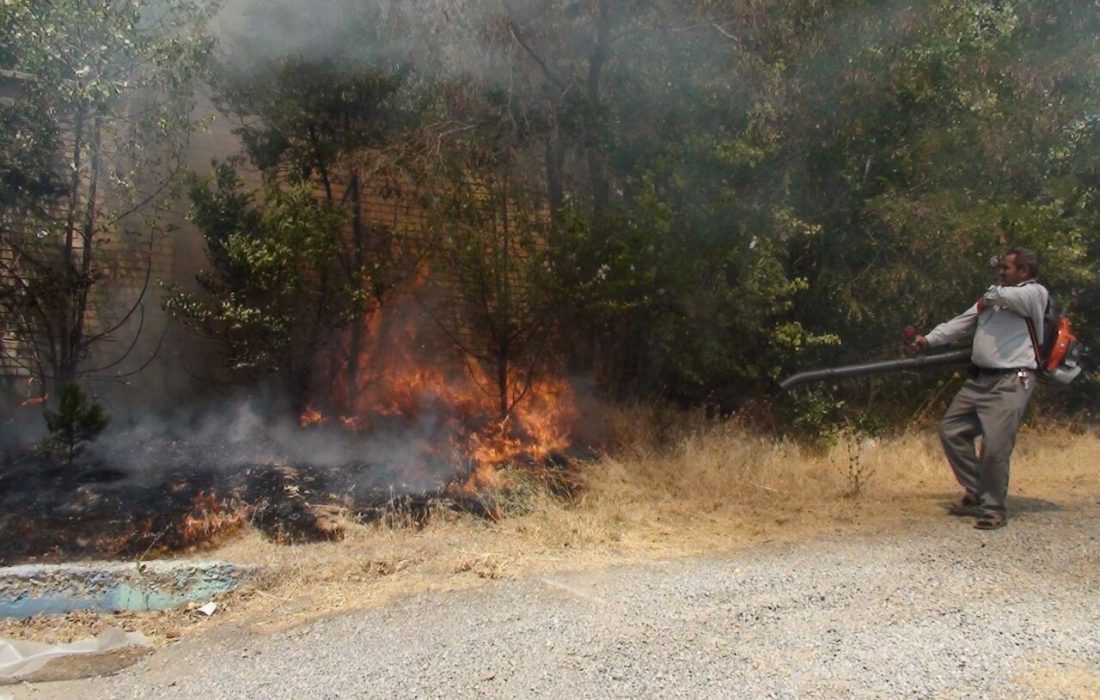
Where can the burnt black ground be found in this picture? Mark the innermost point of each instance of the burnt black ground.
(54, 512)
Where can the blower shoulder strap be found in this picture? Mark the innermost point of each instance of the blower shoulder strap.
(1034, 342)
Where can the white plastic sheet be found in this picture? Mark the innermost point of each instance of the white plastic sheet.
(23, 660)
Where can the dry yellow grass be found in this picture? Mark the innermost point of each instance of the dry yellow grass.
(700, 489)
(1061, 680)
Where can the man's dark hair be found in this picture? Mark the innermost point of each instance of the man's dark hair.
(1025, 257)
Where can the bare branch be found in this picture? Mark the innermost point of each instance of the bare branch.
(138, 303)
(145, 365)
(133, 343)
(513, 29)
(157, 191)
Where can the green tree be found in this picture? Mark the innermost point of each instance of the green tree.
(690, 199)
(328, 118)
(91, 151)
(680, 268)
(76, 421)
(489, 252)
(921, 143)
(275, 294)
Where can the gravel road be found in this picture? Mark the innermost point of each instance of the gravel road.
(939, 611)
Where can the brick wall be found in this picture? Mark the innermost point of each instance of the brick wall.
(169, 360)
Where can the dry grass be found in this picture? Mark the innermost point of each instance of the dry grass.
(1065, 680)
(672, 488)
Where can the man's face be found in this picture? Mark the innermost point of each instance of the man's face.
(1010, 274)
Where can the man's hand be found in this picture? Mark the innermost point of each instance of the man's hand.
(914, 342)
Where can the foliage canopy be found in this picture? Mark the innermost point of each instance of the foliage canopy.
(689, 199)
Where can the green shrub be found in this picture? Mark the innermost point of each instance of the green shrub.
(77, 420)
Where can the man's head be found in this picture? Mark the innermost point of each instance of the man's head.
(1018, 265)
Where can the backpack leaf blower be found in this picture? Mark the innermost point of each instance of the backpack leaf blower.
(954, 357)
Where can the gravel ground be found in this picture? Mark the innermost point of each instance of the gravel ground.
(940, 611)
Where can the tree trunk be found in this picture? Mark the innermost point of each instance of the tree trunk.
(555, 185)
(502, 383)
(61, 356)
(87, 239)
(359, 235)
(597, 165)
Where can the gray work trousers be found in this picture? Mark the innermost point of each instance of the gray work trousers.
(990, 406)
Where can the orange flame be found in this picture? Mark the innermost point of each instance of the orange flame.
(404, 374)
(310, 416)
(209, 519)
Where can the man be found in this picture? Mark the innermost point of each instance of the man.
(993, 399)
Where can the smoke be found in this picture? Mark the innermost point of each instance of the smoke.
(21, 430)
(429, 36)
(247, 431)
(513, 44)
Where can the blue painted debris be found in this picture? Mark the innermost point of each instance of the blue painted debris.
(34, 589)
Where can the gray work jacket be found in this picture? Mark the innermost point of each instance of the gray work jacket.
(1001, 336)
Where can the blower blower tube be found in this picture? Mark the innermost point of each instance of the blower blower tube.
(955, 357)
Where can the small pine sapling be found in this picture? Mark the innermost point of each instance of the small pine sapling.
(77, 420)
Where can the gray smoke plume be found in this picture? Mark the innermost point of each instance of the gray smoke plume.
(429, 35)
(408, 455)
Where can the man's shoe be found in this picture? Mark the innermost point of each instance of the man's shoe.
(967, 507)
(991, 522)
(963, 511)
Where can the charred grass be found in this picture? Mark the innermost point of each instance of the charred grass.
(667, 486)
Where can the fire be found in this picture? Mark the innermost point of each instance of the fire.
(210, 517)
(406, 378)
(311, 416)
